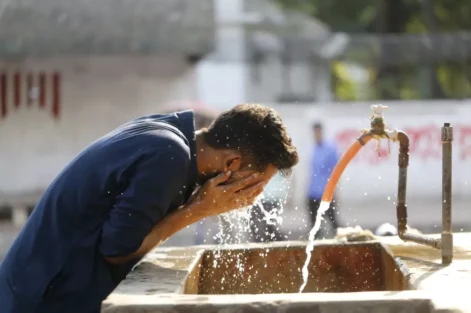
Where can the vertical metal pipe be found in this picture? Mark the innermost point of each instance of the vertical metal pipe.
(401, 205)
(447, 235)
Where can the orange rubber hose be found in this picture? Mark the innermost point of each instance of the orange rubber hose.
(342, 164)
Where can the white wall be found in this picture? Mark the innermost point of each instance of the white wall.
(226, 76)
(221, 75)
(370, 178)
(98, 94)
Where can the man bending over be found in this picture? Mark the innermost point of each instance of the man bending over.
(128, 192)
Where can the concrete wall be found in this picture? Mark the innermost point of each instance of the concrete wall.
(371, 178)
(97, 95)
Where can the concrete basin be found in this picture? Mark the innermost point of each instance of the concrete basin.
(332, 268)
(385, 275)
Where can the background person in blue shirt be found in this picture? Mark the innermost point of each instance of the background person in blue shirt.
(324, 159)
(128, 192)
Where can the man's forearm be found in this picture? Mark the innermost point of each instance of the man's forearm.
(170, 225)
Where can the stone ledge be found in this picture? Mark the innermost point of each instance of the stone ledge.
(406, 301)
(171, 266)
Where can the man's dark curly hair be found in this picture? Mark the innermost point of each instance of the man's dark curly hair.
(258, 133)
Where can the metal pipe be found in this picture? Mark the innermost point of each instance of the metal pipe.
(422, 239)
(447, 235)
(378, 131)
(402, 206)
(403, 163)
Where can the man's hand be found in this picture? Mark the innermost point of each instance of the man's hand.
(216, 198)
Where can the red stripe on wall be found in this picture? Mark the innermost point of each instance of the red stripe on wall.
(29, 88)
(3, 95)
(56, 87)
(42, 89)
(17, 89)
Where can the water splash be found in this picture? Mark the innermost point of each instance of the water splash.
(273, 217)
(235, 225)
(276, 193)
(324, 206)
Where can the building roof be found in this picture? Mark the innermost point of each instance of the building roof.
(65, 27)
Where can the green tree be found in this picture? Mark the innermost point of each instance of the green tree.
(345, 16)
(427, 77)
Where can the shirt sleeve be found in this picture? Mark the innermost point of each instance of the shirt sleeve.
(155, 183)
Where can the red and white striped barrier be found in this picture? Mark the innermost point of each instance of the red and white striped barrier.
(18, 89)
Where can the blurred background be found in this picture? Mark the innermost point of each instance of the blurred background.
(70, 71)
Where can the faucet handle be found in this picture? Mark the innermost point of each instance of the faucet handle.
(378, 110)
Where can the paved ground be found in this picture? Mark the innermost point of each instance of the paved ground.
(423, 215)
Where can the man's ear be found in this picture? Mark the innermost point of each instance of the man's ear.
(232, 162)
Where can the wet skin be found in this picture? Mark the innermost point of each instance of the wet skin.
(265, 176)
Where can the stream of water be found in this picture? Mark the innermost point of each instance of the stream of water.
(324, 206)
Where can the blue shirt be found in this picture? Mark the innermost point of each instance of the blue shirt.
(324, 159)
(102, 204)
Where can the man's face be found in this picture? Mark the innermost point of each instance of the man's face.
(222, 161)
(266, 174)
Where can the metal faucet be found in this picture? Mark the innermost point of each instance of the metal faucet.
(445, 243)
